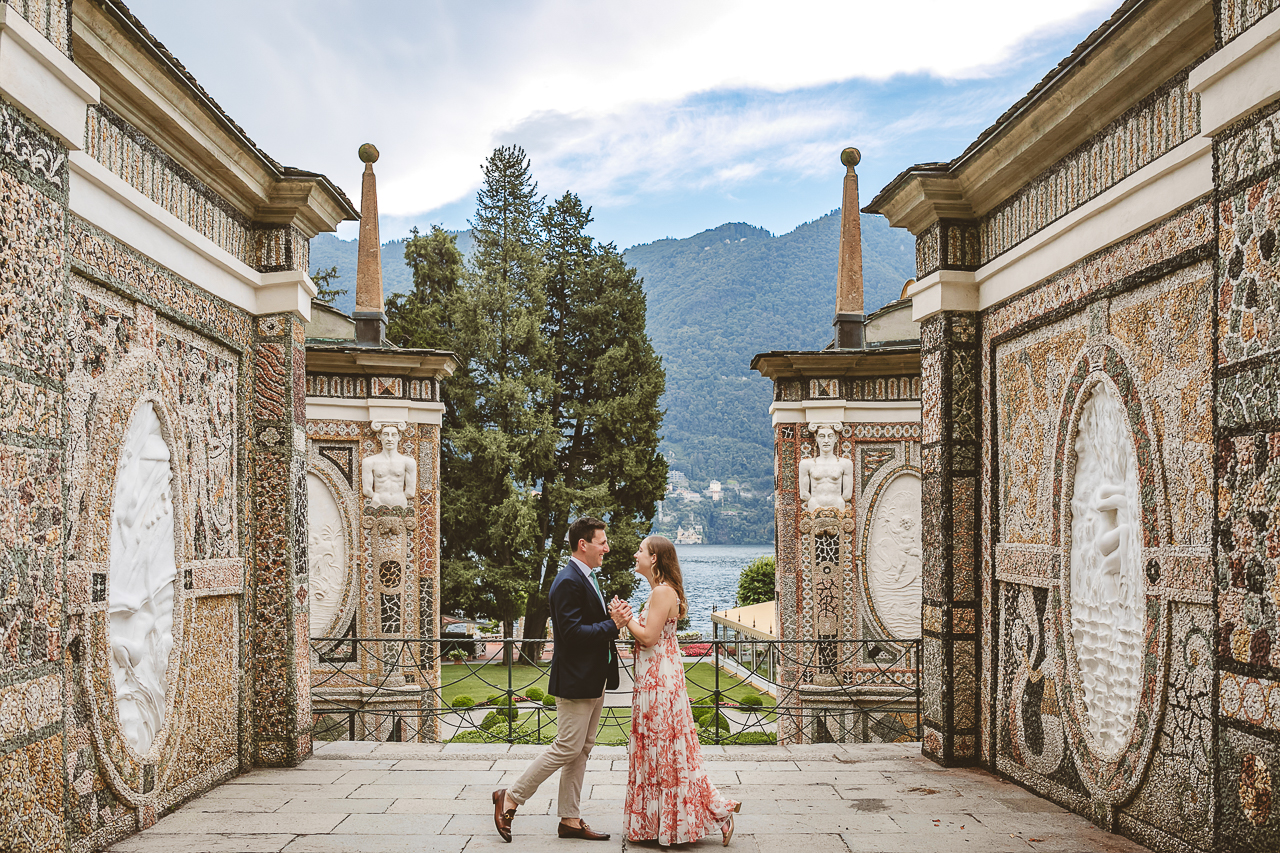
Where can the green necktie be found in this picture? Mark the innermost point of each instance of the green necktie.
(596, 584)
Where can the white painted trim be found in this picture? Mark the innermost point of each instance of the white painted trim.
(42, 81)
(1240, 78)
(843, 411)
(371, 410)
(1139, 201)
(104, 199)
(943, 290)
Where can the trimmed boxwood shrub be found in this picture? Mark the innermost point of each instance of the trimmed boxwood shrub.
(549, 701)
(752, 700)
(463, 702)
(535, 694)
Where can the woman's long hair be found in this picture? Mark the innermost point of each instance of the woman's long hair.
(666, 568)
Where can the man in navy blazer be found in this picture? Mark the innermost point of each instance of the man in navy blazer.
(584, 663)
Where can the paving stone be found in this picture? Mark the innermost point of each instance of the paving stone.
(538, 805)
(451, 764)
(336, 805)
(184, 821)
(292, 776)
(849, 821)
(394, 824)
(401, 797)
(378, 844)
(395, 792)
(153, 841)
(219, 804)
(813, 791)
(812, 843)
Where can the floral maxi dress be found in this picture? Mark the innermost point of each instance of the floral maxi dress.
(669, 796)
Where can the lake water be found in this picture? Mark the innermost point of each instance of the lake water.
(710, 579)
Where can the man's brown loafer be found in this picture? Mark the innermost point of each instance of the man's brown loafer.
(502, 817)
(584, 832)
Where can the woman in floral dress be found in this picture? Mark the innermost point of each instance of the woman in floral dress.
(669, 797)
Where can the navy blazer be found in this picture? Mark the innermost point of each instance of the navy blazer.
(584, 635)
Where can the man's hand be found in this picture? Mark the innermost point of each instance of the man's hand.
(620, 612)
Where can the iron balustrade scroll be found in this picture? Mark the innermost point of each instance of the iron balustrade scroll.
(743, 691)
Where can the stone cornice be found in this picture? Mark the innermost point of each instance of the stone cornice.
(412, 363)
(1145, 44)
(146, 86)
(882, 361)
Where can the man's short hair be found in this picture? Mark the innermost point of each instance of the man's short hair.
(584, 528)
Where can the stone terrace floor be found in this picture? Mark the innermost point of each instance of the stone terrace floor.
(424, 798)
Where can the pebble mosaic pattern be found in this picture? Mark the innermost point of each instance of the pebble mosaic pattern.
(127, 153)
(393, 586)
(1236, 16)
(811, 604)
(1247, 640)
(949, 422)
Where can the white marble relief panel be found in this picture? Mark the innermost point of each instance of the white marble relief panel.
(1107, 594)
(893, 556)
(143, 571)
(326, 556)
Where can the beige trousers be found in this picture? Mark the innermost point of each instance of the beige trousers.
(576, 724)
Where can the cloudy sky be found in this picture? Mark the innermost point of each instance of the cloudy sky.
(666, 117)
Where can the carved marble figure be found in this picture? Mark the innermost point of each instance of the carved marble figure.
(1107, 593)
(326, 556)
(894, 557)
(826, 481)
(389, 478)
(140, 602)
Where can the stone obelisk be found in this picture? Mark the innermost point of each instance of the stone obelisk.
(849, 311)
(371, 319)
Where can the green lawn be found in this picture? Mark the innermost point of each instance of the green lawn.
(479, 681)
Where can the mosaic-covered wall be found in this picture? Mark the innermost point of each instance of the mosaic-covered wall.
(154, 568)
(852, 574)
(375, 575)
(34, 360)
(1103, 701)
(1247, 529)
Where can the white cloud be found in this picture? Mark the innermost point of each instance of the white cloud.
(612, 99)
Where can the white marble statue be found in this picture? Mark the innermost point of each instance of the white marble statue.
(326, 557)
(826, 481)
(389, 478)
(894, 557)
(143, 571)
(1107, 592)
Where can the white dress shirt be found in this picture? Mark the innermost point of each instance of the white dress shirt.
(587, 570)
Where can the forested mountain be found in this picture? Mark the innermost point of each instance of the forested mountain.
(714, 300)
(717, 298)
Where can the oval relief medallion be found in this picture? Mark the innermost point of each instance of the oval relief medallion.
(140, 602)
(326, 556)
(1107, 591)
(893, 557)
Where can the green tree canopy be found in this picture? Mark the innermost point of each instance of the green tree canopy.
(553, 412)
(758, 582)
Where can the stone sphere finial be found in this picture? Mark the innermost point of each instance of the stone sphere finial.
(368, 153)
(851, 157)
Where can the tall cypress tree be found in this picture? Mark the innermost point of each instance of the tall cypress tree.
(502, 445)
(553, 412)
(603, 408)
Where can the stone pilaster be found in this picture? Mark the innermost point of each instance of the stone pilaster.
(949, 419)
(281, 712)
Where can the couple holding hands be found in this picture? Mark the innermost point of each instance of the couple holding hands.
(669, 797)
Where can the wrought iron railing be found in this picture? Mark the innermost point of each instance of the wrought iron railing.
(741, 691)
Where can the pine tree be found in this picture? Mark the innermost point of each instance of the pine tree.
(502, 440)
(553, 412)
(603, 408)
